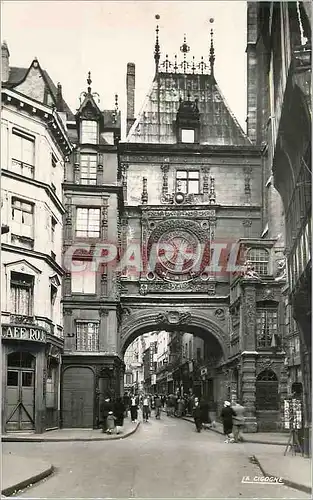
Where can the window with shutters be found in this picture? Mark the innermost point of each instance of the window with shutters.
(88, 169)
(21, 294)
(87, 336)
(267, 328)
(23, 153)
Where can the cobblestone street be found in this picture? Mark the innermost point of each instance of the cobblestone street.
(165, 458)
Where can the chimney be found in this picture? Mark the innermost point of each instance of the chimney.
(5, 63)
(130, 91)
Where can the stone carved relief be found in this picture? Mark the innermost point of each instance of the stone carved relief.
(264, 364)
(173, 317)
(179, 287)
(219, 314)
(144, 194)
(124, 169)
(281, 272)
(212, 195)
(267, 294)
(247, 176)
(248, 271)
(249, 312)
(193, 214)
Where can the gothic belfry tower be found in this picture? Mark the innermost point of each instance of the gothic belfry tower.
(192, 181)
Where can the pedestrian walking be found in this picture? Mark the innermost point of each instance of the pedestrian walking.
(197, 415)
(238, 421)
(119, 410)
(146, 408)
(227, 415)
(110, 423)
(134, 408)
(105, 409)
(157, 404)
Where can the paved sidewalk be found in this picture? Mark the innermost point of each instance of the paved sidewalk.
(273, 438)
(19, 472)
(72, 435)
(295, 470)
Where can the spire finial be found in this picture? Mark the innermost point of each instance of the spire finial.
(157, 51)
(212, 51)
(89, 82)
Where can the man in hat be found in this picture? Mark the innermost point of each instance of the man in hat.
(238, 421)
(227, 416)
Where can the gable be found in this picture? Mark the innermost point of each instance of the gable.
(35, 86)
(22, 266)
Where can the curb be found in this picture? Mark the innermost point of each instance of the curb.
(255, 441)
(287, 482)
(11, 490)
(13, 439)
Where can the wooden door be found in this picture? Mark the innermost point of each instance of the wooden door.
(78, 398)
(20, 392)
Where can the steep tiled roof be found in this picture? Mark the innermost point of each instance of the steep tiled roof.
(17, 75)
(156, 121)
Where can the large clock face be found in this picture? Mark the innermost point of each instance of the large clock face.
(179, 247)
(178, 252)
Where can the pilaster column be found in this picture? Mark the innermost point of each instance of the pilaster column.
(248, 363)
(248, 374)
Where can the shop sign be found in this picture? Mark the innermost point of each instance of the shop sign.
(23, 333)
(169, 377)
(153, 379)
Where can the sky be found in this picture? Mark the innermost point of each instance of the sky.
(71, 38)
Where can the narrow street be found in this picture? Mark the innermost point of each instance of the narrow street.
(164, 459)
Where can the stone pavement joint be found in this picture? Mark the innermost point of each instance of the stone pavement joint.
(70, 435)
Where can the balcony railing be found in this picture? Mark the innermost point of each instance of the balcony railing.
(20, 319)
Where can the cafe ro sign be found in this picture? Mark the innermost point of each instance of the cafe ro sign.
(23, 333)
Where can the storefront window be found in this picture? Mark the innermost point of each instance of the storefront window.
(51, 386)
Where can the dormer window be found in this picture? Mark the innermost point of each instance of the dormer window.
(188, 135)
(89, 132)
(188, 122)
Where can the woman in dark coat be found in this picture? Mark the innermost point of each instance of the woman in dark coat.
(227, 418)
(119, 410)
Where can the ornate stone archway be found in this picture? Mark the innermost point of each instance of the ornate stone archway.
(148, 320)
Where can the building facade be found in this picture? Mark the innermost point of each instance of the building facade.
(92, 368)
(192, 177)
(279, 118)
(34, 145)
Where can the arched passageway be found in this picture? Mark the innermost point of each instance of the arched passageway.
(193, 360)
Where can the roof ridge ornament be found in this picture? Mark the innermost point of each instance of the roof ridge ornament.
(157, 51)
(94, 95)
(212, 51)
(184, 49)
